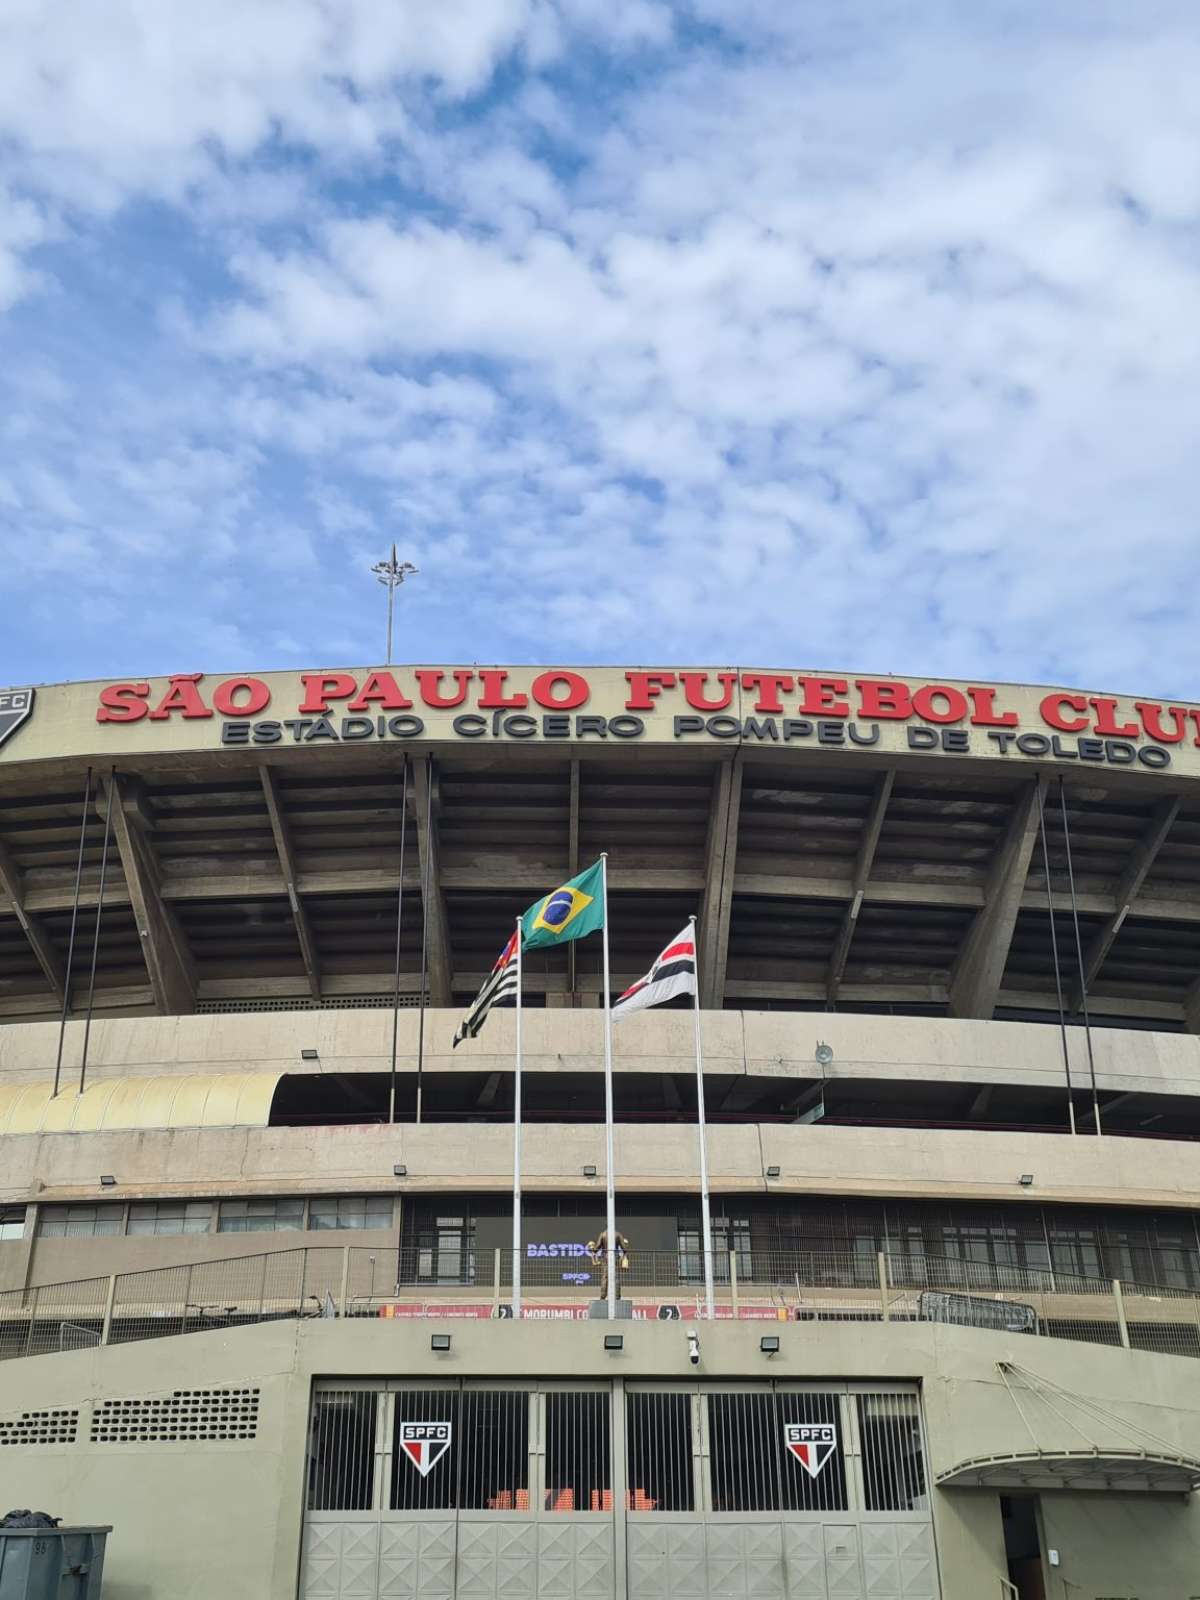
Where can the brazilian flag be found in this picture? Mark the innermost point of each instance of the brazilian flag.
(568, 912)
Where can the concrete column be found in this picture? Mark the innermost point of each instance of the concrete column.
(437, 932)
(979, 970)
(721, 863)
(168, 960)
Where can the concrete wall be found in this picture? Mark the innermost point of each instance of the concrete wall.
(198, 1520)
(773, 1043)
(453, 1158)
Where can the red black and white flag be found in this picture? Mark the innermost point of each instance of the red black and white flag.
(673, 973)
(499, 989)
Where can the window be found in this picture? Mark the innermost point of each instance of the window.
(12, 1222)
(169, 1216)
(261, 1216)
(658, 1452)
(893, 1465)
(757, 1448)
(352, 1211)
(341, 1450)
(729, 1235)
(443, 1255)
(578, 1452)
(80, 1222)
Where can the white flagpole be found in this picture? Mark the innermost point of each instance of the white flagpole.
(516, 1229)
(706, 1243)
(611, 1224)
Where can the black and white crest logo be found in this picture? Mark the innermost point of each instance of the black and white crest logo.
(16, 707)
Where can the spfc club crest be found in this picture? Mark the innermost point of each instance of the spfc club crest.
(16, 707)
(811, 1443)
(425, 1443)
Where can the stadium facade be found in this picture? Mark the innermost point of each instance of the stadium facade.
(255, 1211)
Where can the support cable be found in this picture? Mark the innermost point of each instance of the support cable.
(1058, 988)
(1087, 1026)
(399, 924)
(91, 999)
(425, 925)
(66, 1006)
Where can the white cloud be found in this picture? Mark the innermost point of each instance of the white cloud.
(867, 336)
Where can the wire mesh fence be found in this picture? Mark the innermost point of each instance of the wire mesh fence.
(813, 1286)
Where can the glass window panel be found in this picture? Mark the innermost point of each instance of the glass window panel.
(352, 1211)
(169, 1216)
(12, 1222)
(260, 1216)
(79, 1222)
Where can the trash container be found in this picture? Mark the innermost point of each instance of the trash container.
(52, 1563)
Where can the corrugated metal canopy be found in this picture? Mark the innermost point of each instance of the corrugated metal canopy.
(1077, 1469)
(113, 1105)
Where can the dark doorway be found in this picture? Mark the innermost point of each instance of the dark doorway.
(1022, 1545)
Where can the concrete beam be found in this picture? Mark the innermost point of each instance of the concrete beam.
(720, 867)
(39, 940)
(168, 961)
(1137, 868)
(979, 970)
(287, 865)
(427, 807)
(862, 873)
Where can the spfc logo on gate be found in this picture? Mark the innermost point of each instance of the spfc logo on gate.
(425, 1443)
(811, 1443)
(16, 707)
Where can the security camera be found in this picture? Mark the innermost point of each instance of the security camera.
(693, 1347)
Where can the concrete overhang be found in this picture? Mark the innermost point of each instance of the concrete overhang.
(116, 1105)
(1126, 1470)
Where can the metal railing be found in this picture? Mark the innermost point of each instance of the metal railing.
(807, 1286)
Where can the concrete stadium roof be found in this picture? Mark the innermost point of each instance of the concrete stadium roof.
(888, 858)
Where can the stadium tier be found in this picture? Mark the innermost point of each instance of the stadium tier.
(931, 1330)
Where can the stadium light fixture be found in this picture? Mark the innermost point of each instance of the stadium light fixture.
(310, 1055)
(769, 1344)
(772, 1172)
(107, 1180)
(440, 1342)
(392, 574)
(399, 1170)
(614, 1341)
(1025, 1179)
(589, 1171)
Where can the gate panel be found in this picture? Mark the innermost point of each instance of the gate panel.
(804, 1493)
(785, 1491)
(341, 1531)
(497, 1560)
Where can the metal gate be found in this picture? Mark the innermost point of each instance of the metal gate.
(480, 1490)
(491, 1490)
(785, 1491)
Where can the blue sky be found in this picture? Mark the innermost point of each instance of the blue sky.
(837, 334)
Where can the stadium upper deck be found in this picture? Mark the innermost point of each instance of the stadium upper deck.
(857, 843)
